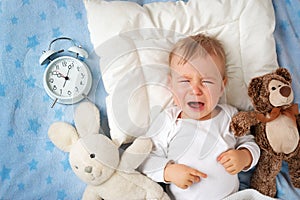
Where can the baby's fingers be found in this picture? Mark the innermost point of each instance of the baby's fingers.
(195, 172)
(223, 158)
(231, 170)
(194, 177)
(187, 183)
(191, 180)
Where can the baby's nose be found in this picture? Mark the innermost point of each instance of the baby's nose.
(196, 89)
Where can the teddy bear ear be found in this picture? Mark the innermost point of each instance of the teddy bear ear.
(63, 135)
(283, 72)
(254, 87)
(87, 119)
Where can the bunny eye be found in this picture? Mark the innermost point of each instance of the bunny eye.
(76, 167)
(92, 155)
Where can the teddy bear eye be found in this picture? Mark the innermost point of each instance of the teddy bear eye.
(76, 167)
(273, 88)
(92, 155)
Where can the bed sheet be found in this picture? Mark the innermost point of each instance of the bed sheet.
(287, 33)
(31, 167)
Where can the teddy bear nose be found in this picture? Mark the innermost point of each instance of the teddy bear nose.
(88, 169)
(285, 91)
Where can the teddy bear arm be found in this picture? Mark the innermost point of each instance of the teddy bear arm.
(298, 121)
(242, 122)
(90, 193)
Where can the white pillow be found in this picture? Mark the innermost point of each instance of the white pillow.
(133, 43)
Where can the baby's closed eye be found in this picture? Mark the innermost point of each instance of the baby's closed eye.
(207, 82)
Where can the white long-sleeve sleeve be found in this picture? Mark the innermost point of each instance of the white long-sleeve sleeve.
(248, 142)
(161, 133)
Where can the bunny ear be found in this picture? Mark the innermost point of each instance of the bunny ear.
(63, 135)
(87, 119)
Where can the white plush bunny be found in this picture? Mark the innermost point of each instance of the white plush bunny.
(95, 159)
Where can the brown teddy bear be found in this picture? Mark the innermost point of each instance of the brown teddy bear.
(274, 123)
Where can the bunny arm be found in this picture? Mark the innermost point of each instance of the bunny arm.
(153, 190)
(90, 193)
(135, 154)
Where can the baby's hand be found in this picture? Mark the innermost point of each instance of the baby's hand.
(234, 160)
(181, 175)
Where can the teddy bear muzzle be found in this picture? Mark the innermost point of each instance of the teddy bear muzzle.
(281, 94)
(285, 91)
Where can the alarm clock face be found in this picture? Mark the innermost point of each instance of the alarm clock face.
(67, 79)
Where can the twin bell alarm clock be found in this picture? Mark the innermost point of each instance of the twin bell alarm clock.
(67, 79)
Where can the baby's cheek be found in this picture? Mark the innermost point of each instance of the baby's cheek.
(215, 93)
(179, 95)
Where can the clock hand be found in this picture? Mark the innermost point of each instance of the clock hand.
(67, 77)
(69, 67)
(58, 74)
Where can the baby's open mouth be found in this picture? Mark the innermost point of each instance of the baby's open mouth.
(196, 104)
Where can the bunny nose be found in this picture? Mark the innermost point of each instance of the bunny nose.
(88, 169)
(285, 91)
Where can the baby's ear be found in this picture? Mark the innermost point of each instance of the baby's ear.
(63, 135)
(87, 119)
(224, 83)
(225, 80)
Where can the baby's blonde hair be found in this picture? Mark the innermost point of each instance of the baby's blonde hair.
(198, 45)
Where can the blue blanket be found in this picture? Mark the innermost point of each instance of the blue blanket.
(30, 166)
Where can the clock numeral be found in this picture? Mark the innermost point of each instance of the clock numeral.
(76, 89)
(64, 63)
(71, 65)
(51, 80)
(78, 68)
(69, 93)
(82, 75)
(60, 92)
(54, 72)
(57, 67)
(54, 87)
(81, 83)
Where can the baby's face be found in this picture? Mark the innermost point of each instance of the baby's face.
(197, 86)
